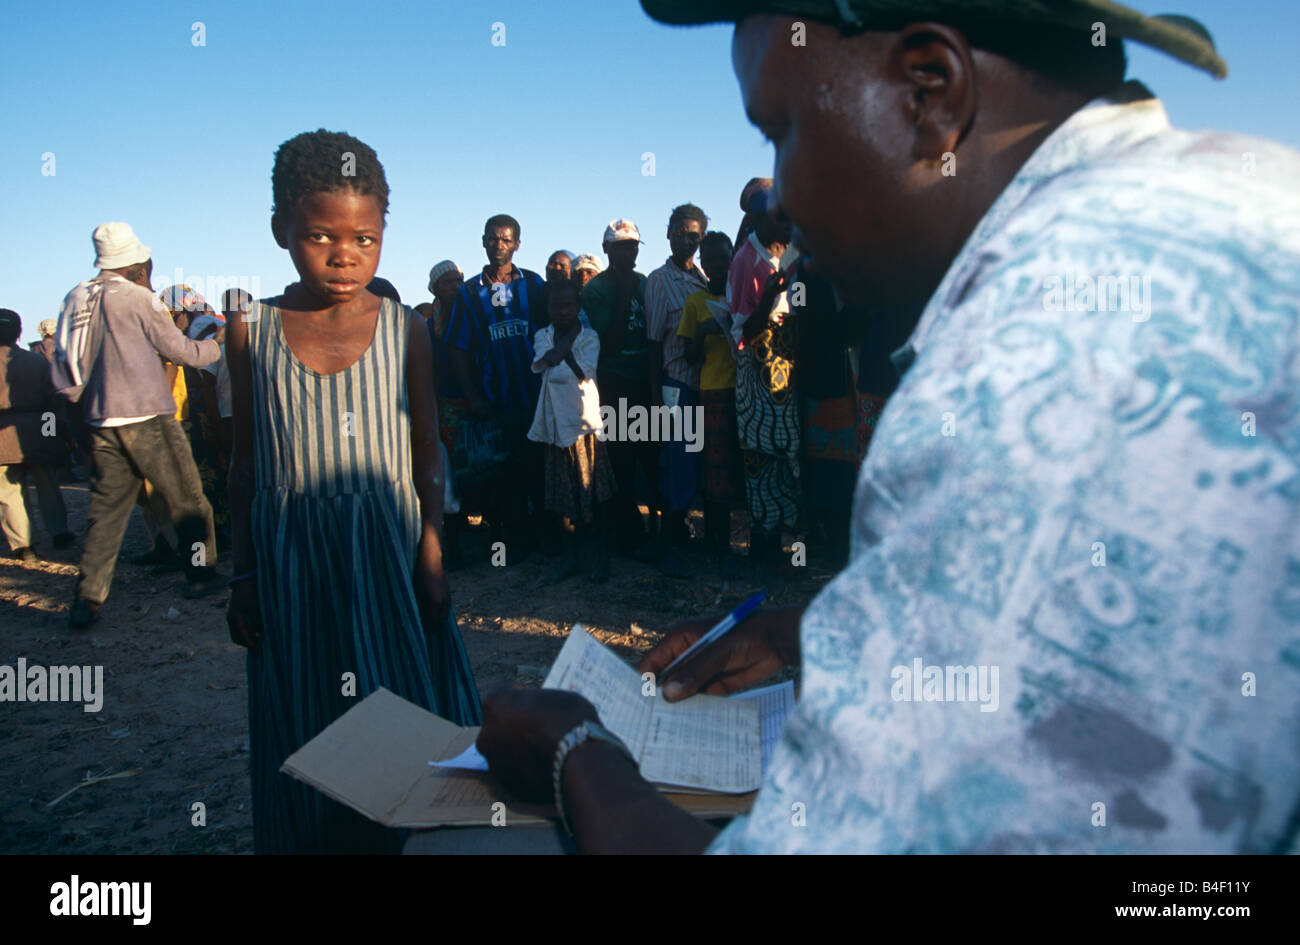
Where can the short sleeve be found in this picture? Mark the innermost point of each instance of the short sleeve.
(586, 351)
(593, 303)
(656, 307)
(543, 342)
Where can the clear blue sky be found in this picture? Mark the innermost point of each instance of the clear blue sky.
(551, 127)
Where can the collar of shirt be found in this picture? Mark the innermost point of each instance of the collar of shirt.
(693, 274)
(515, 275)
(759, 248)
(1129, 114)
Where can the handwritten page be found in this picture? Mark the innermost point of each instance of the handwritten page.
(703, 743)
(775, 703)
(592, 670)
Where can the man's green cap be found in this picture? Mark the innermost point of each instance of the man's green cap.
(1179, 36)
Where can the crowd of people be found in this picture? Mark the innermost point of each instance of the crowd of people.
(1080, 498)
(227, 427)
(787, 392)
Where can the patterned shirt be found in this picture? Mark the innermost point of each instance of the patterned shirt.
(1077, 522)
(666, 290)
(497, 322)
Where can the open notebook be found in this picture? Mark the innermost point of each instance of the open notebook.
(704, 743)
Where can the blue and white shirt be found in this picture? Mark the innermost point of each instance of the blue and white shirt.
(1071, 621)
(496, 323)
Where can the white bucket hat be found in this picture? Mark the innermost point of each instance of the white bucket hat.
(116, 246)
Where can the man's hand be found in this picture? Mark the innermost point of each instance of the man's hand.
(522, 729)
(763, 645)
(243, 616)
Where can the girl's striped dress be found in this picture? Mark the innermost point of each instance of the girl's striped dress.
(336, 526)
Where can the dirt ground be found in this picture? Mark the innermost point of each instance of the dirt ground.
(173, 729)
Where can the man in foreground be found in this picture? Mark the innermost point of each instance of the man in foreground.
(1087, 480)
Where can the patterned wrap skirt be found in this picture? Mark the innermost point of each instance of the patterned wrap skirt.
(723, 475)
(578, 478)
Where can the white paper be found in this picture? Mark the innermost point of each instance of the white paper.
(469, 759)
(775, 703)
(704, 742)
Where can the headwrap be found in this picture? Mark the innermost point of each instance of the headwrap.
(440, 270)
(181, 298)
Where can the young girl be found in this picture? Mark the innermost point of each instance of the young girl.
(578, 477)
(336, 496)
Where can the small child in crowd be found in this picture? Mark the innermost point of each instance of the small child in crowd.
(579, 480)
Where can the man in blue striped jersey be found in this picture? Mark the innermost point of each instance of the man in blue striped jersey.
(490, 334)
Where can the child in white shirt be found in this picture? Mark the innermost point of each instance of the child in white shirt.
(579, 480)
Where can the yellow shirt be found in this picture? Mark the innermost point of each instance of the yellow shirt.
(180, 393)
(718, 370)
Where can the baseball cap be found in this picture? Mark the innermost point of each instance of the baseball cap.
(1179, 36)
(621, 229)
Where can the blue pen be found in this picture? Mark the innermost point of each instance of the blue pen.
(723, 626)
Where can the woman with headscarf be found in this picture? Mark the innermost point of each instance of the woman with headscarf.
(445, 280)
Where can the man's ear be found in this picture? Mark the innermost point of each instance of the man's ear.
(279, 231)
(935, 63)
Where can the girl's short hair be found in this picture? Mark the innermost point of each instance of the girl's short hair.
(324, 162)
(561, 287)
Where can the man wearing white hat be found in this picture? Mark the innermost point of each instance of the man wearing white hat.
(129, 409)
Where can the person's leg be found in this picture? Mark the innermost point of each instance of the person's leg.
(625, 520)
(568, 565)
(53, 511)
(15, 524)
(559, 485)
(158, 448)
(600, 536)
(521, 538)
(114, 485)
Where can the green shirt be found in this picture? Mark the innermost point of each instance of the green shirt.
(598, 297)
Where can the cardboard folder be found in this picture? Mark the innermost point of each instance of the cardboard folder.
(375, 759)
